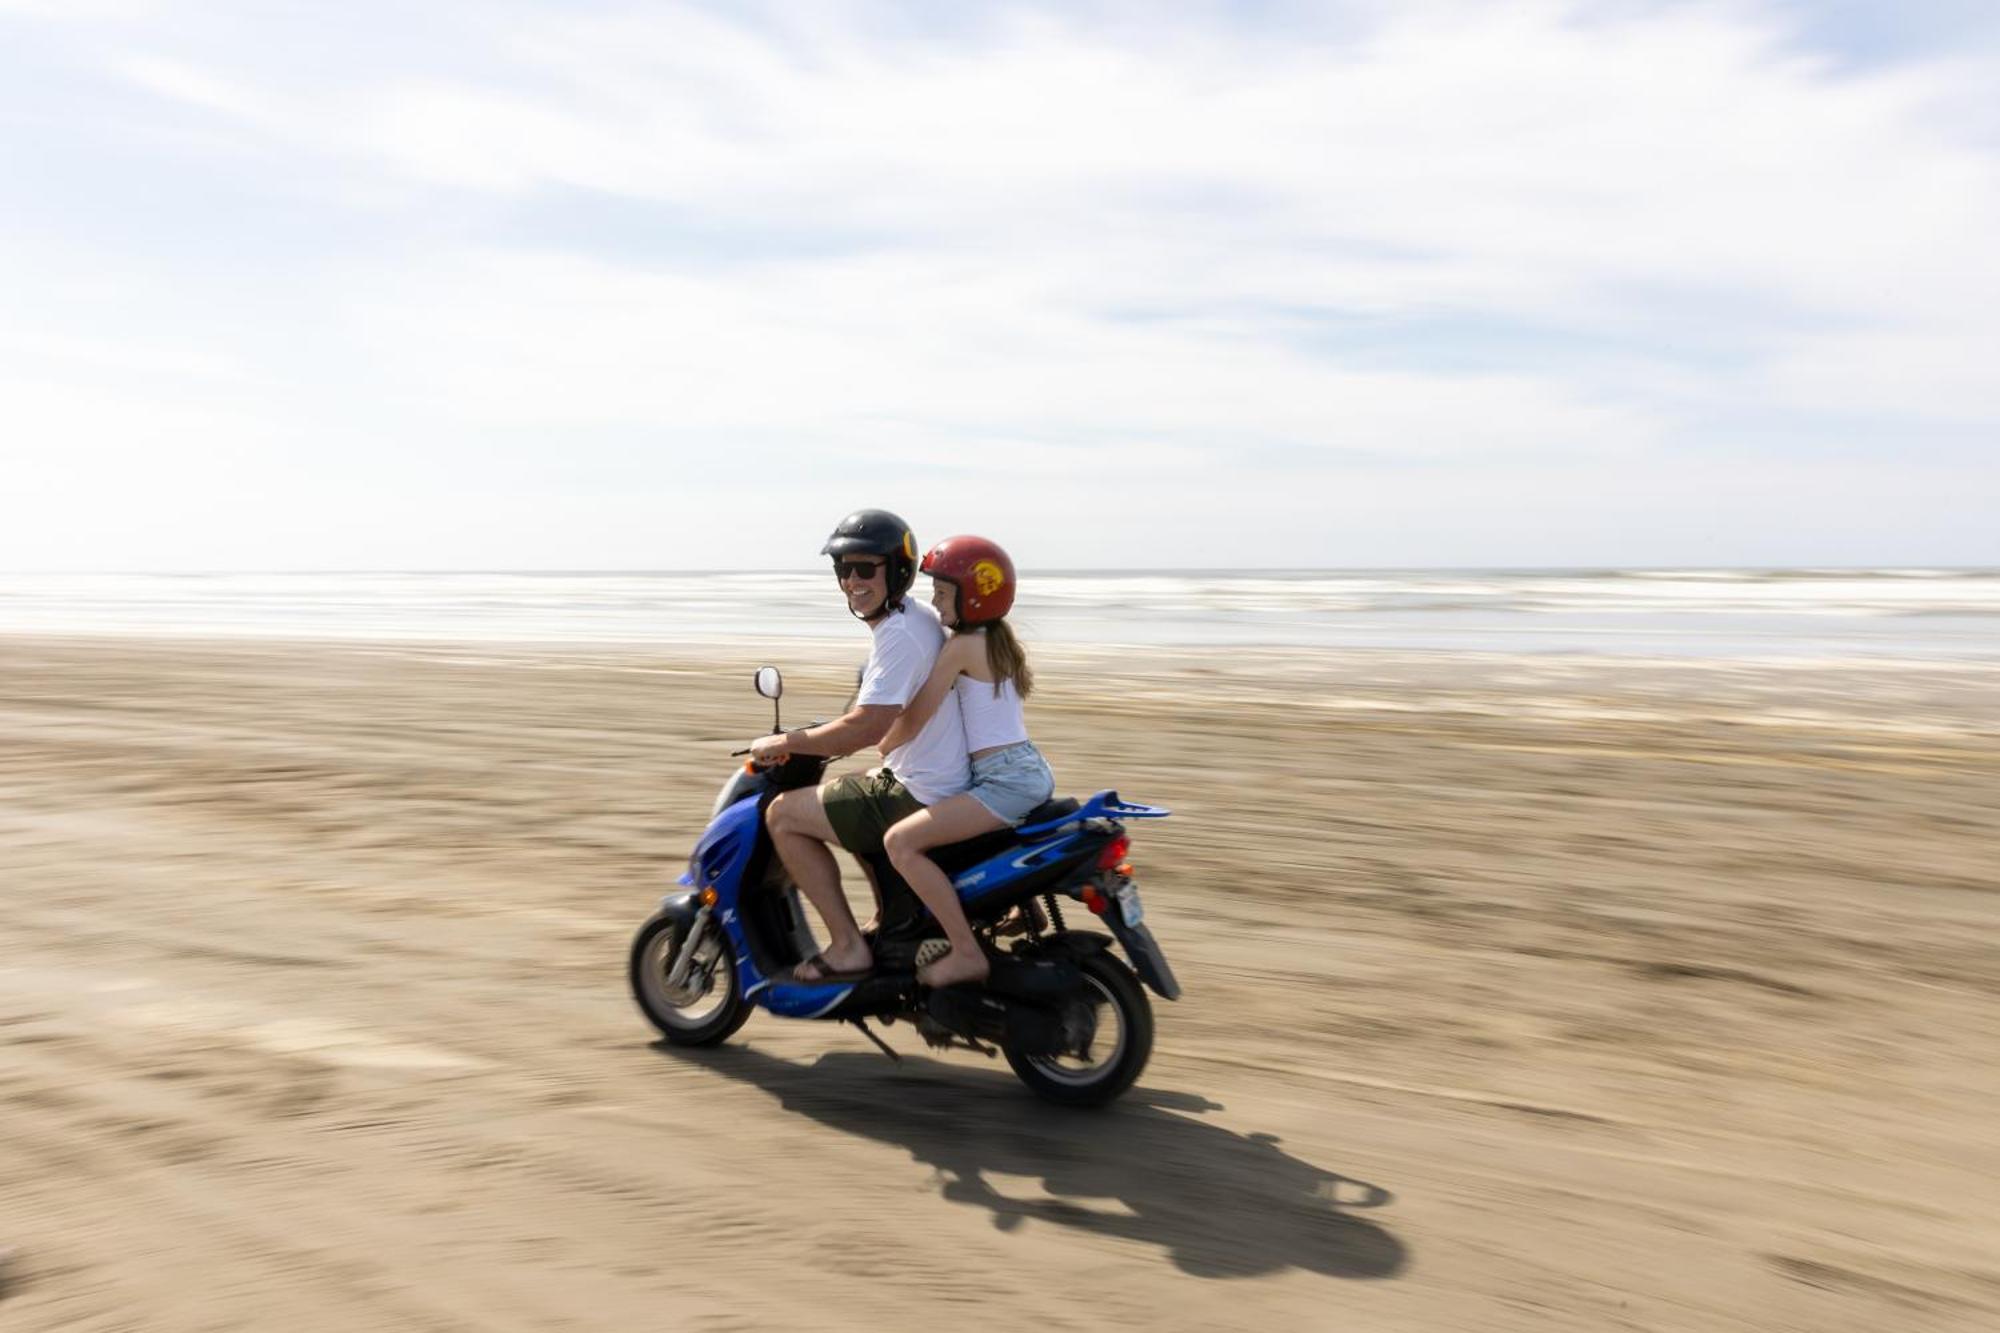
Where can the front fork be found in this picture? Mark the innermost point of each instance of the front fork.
(684, 956)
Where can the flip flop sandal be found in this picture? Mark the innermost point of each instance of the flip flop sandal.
(826, 976)
(930, 951)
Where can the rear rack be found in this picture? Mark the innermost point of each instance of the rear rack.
(1104, 805)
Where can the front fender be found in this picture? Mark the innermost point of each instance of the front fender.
(680, 906)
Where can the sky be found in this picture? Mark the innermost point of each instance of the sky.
(1263, 284)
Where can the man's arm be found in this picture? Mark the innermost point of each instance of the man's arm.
(857, 729)
(895, 672)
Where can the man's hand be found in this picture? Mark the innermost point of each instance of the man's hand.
(769, 750)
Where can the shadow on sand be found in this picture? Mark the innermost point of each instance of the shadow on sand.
(1220, 1204)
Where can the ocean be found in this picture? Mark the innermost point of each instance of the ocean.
(1951, 614)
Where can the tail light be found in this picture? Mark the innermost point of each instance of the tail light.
(1114, 852)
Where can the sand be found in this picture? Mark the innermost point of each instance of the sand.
(1522, 993)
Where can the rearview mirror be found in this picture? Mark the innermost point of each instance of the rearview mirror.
(771, 685)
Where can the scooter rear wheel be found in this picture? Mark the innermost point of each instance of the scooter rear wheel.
(1117, 1052)
(708, 1006)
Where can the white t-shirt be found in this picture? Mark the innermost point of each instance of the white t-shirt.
(932, 764)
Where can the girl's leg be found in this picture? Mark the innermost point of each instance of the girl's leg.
(951, 820)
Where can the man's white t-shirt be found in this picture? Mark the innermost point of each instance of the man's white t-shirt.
(932, 764)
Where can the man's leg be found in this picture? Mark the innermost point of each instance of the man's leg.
(800, 832)
(875, 888)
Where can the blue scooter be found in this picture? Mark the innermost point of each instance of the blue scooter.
(1069, 1015)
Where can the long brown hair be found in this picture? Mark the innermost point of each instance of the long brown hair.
(1006, 658)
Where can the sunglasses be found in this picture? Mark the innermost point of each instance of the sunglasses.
(856, 569)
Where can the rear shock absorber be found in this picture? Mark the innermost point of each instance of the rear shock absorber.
(1055, 912)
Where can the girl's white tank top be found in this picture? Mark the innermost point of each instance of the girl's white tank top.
(990, 720)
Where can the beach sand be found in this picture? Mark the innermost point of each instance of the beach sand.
(1522, 993)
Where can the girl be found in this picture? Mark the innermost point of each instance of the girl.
(984, 667)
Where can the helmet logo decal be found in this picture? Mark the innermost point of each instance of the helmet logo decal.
(909, 544)
(987, 578)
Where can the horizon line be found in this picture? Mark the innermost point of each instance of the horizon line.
(1057, 571)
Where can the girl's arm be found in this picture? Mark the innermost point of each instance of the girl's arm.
(944, 672)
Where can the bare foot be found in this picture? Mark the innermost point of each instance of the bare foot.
(955, 969)
(1026, 919)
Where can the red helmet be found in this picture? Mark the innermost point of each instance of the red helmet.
(981, 572)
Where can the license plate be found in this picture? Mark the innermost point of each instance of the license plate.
(1128, 903)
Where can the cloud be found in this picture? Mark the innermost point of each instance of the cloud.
(183, 83)
(902, 357)
(1235, 257)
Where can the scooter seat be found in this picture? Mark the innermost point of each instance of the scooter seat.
(1056, 809)
(957, 856)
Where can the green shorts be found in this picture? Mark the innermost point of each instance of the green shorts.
(861, 807)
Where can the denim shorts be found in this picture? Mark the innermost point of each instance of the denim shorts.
(1012, 781)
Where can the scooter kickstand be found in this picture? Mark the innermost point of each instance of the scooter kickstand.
(870, 1033)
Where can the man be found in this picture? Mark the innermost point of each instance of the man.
(875, 561)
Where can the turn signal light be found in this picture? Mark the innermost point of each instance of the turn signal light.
(706, 897)
(1125, 869)
(1095, 901)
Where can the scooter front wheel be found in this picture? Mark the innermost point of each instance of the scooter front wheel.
(708, 1005)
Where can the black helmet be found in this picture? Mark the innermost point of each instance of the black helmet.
(878, 532)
